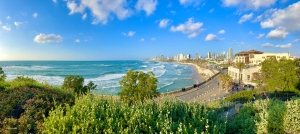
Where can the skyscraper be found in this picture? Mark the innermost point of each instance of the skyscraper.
(230, 54)
(197, 56)
(208, 55)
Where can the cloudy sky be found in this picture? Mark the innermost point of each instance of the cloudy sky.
(138, 29)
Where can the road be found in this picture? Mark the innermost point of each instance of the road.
(207, 92)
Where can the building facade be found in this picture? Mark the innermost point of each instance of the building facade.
(247, 74)
(258, 58)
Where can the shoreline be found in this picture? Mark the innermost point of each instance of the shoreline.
(202, 72)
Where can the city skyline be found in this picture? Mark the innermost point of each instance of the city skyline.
(139, 29)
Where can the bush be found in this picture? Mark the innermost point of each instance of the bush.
(22, 110)
(103, 115)
(267, 116)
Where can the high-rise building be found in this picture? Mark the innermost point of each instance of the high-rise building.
(208, 55)
(213, 55)
(230, 54)
(197, 56)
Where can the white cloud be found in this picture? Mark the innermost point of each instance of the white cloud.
(260, 36)
(277, 34)
(46, 38)
(189, 2)
(296, 40)
(6, 27)
(250, 33)
(164, 23)
(287, 19)
(55, 1)
(211, 10)
(249, 4)
(245, 18)
(189, 27)
(18, 23)
(130, 33)
(34, 15)
(284, 46)
(149, 6)
(267, 45)
(84, 16)
(173, 12)
(153, 38)
(142, 40)
(77, 40)
(212, 37)
(170, 5)
(101, 10)
(8, 17)
(221, 31)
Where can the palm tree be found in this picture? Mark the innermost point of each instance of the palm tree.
(240, 66)
(225, 81)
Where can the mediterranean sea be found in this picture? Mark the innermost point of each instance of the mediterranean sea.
(106, 74)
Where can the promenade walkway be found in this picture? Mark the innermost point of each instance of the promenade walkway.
(205, 93)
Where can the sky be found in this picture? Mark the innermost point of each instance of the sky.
(139, 29)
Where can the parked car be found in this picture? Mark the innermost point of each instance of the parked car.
(248, 87)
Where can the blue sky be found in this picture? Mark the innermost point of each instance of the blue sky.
(138, 29)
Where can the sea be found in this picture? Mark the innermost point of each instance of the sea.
(105, 74)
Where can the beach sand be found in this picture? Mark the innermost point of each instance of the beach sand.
(203, 72)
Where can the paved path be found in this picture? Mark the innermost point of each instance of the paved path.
(207, 92)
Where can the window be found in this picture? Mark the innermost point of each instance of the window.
(248, 77)
(278, 57)
(263, 57)
(283, 57)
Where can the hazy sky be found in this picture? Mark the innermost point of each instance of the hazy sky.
(138, 29)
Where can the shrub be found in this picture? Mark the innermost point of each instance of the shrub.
(22, 110)
(103, 115)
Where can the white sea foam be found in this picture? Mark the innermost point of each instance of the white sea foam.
(159, 70)
(103, 65)
(52, 80)
(166, 82)
(144, 66)
(27, 67)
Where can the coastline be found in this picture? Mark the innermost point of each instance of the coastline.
(202, 72)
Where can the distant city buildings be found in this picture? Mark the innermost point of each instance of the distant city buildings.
(230, 54)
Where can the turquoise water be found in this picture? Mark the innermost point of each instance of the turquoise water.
(106, 74)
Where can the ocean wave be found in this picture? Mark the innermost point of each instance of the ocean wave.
(28, 67)
(52, 80)
(103, 65)
(166, 82)
(107, 77)
(144, 66)
(159, 70)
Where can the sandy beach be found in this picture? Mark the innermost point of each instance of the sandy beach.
(203, 72)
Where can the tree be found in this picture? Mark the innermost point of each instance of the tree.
(225, 81)
(2, 75)
(74, 82)
(91, 86)
(278, 75)
(138, 86)
(240, 66)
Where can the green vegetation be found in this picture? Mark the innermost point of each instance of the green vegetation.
(2, 75)
(278, 75)
(92, 114)
(24, 102)
(75, 83)
(267, 116)
(138, 86)
(27, 106)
